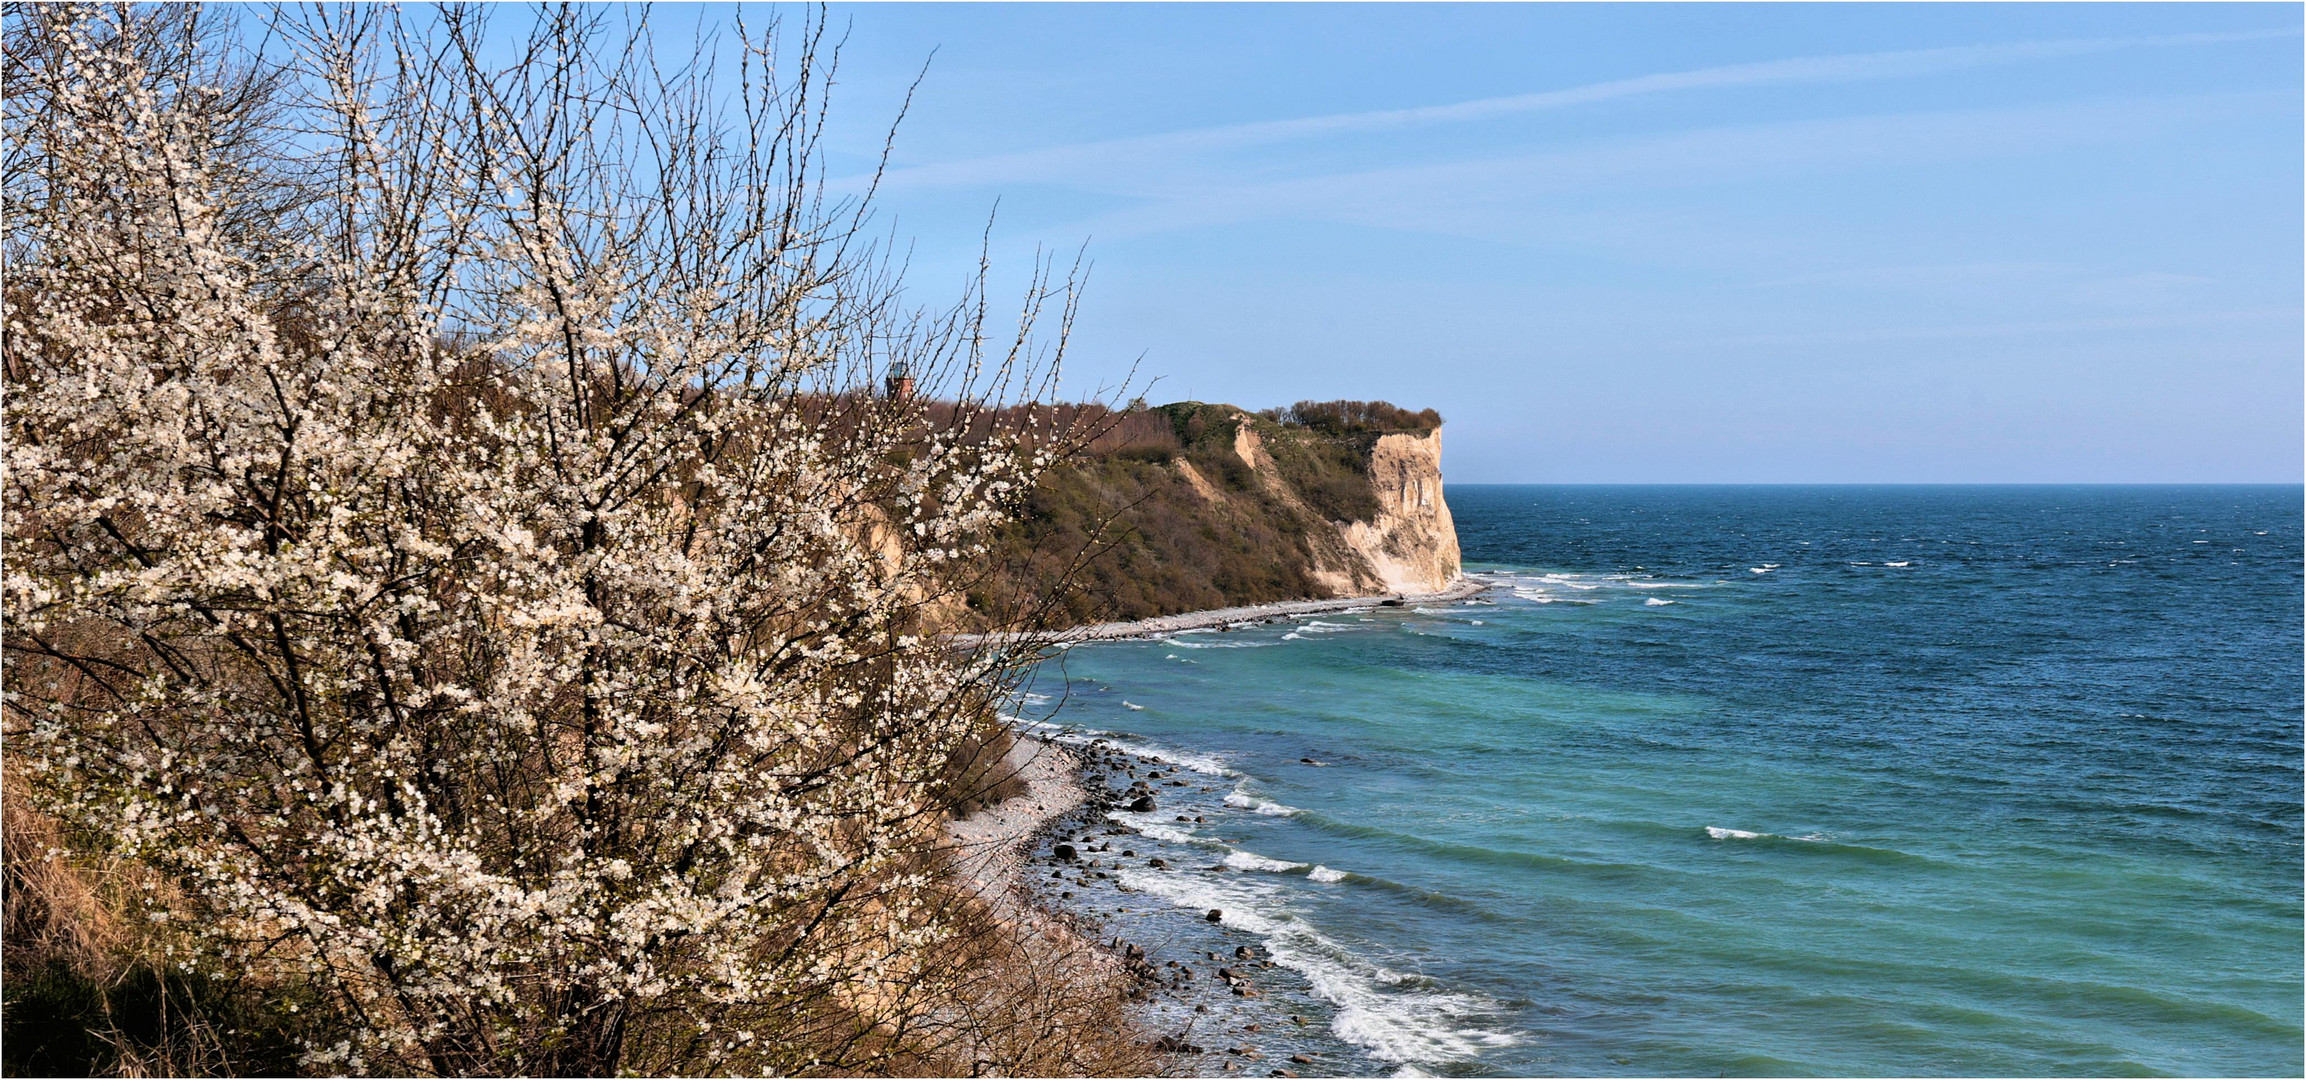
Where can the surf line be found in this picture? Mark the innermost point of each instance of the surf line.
(1461, 589)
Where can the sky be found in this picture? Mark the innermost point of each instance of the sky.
(1633, 243)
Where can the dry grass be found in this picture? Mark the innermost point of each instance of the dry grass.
(1045, 1003)
(54, 913)
(95, 987)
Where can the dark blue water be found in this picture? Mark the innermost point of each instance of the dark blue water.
(1809, 780)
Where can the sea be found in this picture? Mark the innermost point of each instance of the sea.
(1774, 780)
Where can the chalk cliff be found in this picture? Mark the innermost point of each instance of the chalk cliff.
(1210, 506)
(1411, 542)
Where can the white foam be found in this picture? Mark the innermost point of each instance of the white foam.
(1200, 763)
(1897, 564)
(1325, 875)
(1655, 602)
(1132, 706)
(1242, 800)
(1378, 1009)
(1152, 826)
(1245, 860)
(1719, 833)
(1565, 588)
(1761, 569)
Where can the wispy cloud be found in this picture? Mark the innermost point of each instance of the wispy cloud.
(1112, 160)
(1519, 197)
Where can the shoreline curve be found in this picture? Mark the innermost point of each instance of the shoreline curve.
(1460, 589)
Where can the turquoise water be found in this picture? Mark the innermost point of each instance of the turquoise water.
(1858, 781)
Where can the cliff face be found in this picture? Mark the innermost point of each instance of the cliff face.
(1224, 508)
(1407, 544)
(1411, 543)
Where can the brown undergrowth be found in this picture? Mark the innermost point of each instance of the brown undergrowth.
(94, 986)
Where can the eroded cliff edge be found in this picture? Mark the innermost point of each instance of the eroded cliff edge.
(1193, 506)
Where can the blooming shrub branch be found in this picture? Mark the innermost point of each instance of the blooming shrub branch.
(451, 533)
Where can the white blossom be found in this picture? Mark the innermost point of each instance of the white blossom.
(462, 577)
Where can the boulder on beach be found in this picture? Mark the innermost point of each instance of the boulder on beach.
(1143, 804)
(1215, 915)
(1175, 1044)
(1066, 853)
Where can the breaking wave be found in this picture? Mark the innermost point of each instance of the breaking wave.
(1241, 800)
(1398, 1017)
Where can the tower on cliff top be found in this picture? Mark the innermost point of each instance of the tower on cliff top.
(899, 382)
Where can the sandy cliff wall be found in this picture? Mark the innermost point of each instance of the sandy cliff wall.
(1412, 543)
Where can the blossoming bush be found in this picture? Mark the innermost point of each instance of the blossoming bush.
(451, 536)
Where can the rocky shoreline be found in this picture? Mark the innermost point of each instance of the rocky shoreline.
(1047, 862)
(1460, 589)
(1201, 992)
(991, 848)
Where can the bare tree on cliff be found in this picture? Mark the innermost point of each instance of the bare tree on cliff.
(450, 531)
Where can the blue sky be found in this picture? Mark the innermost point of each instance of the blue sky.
(1671, 243)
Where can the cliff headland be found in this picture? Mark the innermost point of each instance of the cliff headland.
(1199, 507)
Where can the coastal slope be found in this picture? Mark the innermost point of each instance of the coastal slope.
(1195, 506)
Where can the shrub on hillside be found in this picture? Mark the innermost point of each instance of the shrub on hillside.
(1354, 417)
(454, 548)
